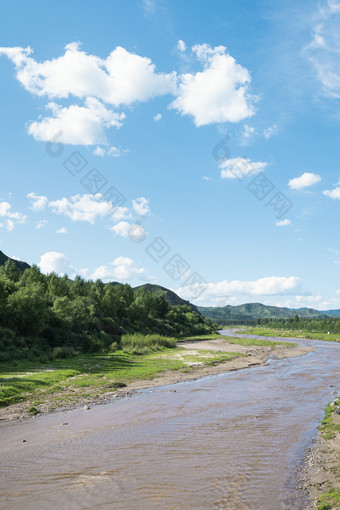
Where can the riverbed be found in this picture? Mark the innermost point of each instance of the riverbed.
(228, 441)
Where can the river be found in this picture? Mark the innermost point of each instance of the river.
(225, 442)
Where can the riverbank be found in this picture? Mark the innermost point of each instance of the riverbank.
(322, 464)
(102, 378)
(290, 333)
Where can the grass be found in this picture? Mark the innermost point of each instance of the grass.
(292, 333)
(329, 429)
(329, 499)
(67, 380)
(238, 341)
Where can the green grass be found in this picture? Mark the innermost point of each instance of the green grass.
(292, 333)
(238, 341)
(69, 379)
(328, 428)
(329, 499)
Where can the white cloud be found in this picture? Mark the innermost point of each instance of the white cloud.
(62, 230)
(157, 117)
(238, 168)
(133, 231)
(76, 125)
(283, 223)
(41, 224)
(267, 286)
(149, 6)
(107, 151)
(334, 193)
(205, 178)
(219, 93)
(54, 262)
(83, 207)
(122, 268)
(305, 180)
(323, 52)
(121, 78)
(248, 131)
(38, 201)
(270, 131)
(10, 217)
(141, 206)
(120, 213)
(181, 46)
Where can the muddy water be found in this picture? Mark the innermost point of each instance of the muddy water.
(230, 441)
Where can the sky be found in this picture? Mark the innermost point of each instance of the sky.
(192, 145)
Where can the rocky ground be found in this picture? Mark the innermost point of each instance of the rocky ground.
(321, 470)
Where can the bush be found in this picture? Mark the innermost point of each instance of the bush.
(63, 352)
(142, 344)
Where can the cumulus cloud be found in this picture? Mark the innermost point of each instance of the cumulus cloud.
(62, 230)
(76, 125)
(267, 286)
(9, 217)
(283, 223)
(54, 262)
(219, 93)
(270, 131)
(157, 117)
(141, 206)
(323, 52)
(121, 78)
(248, 131)
(133, 231)
(121, 213)
(122, 268)
(41, 224)
(305, 180)
(115, 152)
(82, 207)
(38, 201)
(181, 46)
(333, 193)
(239, 168)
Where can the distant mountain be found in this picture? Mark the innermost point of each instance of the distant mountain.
(331, 313)
(170, 296)
(251, 311)
(20, 265)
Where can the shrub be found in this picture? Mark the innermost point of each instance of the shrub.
(142, 344)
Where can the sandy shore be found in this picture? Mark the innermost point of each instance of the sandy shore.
(253, 356)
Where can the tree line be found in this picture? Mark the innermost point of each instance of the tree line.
(50, 315)
(331, 324)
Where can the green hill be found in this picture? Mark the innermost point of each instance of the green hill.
(20, 265)
(251, 311)
(170, 296)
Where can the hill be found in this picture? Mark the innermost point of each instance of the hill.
(251, 311)
(20, 265)
(170, 296)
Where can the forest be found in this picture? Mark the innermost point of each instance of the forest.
(48, 316)
(325, 325)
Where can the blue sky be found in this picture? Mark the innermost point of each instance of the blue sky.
(193, 147)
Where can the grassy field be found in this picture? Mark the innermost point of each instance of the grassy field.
(291, 333)
(238, 341)
(66, 380)
(330, 430)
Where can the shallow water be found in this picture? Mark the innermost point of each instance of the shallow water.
(230, 441)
